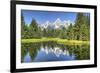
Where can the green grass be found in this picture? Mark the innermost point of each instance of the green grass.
(73, 42)
(38, 40)
(58, 40)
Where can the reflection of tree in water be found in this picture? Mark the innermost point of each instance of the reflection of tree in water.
(32, 48)
(81, 52)
(23, 51)
(49, 45)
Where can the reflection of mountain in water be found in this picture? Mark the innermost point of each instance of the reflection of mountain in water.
(57, 51)
(49, 51)
(50, 54)
(53, 54)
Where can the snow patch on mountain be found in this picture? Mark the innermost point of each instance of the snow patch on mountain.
(57, 24)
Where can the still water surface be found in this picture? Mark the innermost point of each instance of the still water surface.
(51, 51)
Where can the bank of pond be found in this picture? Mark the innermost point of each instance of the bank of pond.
(58, 40)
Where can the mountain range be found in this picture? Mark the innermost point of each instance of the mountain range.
(57, 24)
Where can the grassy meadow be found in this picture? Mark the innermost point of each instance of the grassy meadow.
(58, 40)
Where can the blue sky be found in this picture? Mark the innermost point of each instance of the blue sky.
(43, 16)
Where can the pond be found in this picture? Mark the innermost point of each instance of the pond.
(52, 51)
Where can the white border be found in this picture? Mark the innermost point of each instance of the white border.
(20, 65)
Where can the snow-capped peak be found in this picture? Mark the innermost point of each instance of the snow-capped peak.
(57, 24)
(57, 21)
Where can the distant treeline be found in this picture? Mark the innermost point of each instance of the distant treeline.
(79, 31)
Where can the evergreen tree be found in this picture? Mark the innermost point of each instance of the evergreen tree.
(81, 28)
(79, 31)
(35, 31)
(24, 27)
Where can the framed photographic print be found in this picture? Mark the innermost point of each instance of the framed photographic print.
(52, 36)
